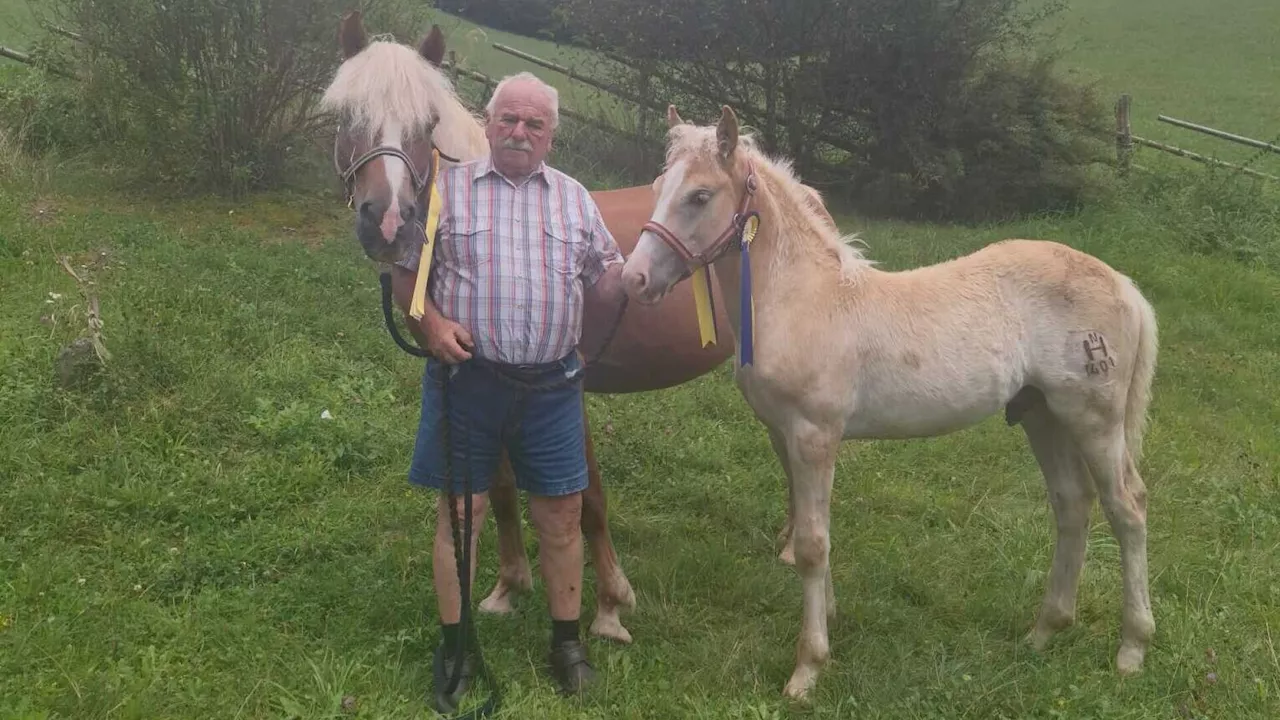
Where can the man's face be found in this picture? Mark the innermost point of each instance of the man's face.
(520, 129)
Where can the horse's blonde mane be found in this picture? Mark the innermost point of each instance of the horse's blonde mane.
(390, 84)
(799, 219)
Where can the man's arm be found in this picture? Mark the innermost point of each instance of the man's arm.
(446, 340)
(602, 274)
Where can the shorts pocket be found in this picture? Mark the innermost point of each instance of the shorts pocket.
(436, 372)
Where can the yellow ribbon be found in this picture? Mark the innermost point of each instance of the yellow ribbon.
(418, 306)
(702, 303)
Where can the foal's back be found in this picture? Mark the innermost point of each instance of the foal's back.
(938, 348)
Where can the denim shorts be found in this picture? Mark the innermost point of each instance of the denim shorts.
(543, 431)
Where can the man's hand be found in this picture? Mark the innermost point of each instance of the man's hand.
(448, 341)
(445, 339)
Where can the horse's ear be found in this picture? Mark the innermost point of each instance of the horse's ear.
(673, 117)
(351, 37)
(727, 132)
(432, 46)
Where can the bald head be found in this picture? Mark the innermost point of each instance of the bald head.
(521, 120)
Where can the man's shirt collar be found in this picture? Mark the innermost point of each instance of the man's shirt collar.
(485, 167)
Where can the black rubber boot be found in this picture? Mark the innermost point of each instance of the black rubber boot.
(570, 668)
(442, 670)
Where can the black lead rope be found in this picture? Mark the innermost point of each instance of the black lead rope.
(385, 279)
(462, 558)
(461, 544)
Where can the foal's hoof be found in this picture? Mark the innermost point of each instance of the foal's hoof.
(788, 555)
(1038, 638)
(801, 682)
(1129, 659)
(1050, 622)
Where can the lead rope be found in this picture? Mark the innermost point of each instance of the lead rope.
(462, 559)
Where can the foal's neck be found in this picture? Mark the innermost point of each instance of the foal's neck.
(781, 256)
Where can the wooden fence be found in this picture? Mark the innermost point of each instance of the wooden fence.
(1125, 141)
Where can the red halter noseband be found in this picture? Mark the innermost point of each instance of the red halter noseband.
(722, 243)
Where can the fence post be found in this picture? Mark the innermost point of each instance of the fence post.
(1124, 135)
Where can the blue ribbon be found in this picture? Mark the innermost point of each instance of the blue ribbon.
(745, 350)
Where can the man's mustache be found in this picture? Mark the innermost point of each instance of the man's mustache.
(511, 144)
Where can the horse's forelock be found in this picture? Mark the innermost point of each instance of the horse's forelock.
(388, 84)
(699, 144)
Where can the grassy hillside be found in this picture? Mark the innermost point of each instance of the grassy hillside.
(186, 537)
(1210, 63)
(16, 23)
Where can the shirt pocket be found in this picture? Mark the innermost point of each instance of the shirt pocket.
(565, 249)
(471, 244)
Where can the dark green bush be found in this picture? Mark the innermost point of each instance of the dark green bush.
(203, 95)
(944, 109)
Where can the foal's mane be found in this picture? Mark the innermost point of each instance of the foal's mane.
(390, 84)
(800, 228)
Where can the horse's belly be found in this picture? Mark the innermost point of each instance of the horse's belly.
(925, 411)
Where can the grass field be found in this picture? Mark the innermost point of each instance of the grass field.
(184, 535)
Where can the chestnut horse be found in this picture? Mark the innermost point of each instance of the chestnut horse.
(388, 95)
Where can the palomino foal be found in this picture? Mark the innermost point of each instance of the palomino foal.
(842, 350)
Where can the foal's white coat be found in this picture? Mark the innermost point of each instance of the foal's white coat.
(1062, 342)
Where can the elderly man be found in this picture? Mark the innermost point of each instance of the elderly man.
(519, 246)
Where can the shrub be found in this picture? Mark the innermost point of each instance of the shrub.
(942, 109)
(206, 95)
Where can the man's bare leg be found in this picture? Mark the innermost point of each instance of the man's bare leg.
(444, 566)
(558, 522)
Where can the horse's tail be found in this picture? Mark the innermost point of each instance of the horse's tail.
(1144, 370)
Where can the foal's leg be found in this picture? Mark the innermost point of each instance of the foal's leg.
(1070, 493)
(812, 456)
(613, 591)
(513, 564)
(787, 536)
(1124, 499)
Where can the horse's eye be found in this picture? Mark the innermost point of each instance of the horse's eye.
(699, 197)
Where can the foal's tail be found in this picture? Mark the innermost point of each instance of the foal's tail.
(1144, 370)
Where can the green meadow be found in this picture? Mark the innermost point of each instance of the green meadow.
(188, 534)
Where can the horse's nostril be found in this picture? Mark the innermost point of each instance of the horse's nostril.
(636, 281)
(407, 212)
(366, 208)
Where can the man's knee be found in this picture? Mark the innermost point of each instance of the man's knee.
(479, 504)
(558, 519)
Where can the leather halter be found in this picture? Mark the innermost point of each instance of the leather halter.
(722, 243)
(348, 176)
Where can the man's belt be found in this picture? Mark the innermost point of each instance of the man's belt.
(525, 373)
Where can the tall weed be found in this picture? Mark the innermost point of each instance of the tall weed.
(1214, 211)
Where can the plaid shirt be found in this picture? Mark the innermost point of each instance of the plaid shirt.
(511, 261)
